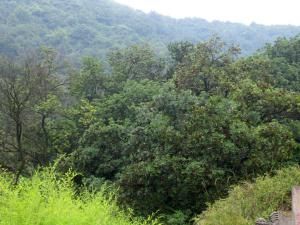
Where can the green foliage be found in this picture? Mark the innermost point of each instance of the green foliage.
(288, 49)
(29, 93)
(172, 134)
(101, 151)
(48, 198)
(90, 82)
(173, 146)
(177, 218)
(202, 68)
(179, 50)
(285, 55)
(136, 63)
(249, 201)
(124, 104)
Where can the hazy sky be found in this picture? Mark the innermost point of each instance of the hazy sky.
(243, 11)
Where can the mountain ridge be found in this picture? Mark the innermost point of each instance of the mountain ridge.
(78, 28)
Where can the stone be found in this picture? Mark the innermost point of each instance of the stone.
(262, 221)
(296, 204)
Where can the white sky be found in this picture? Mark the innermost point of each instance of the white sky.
(243, 11)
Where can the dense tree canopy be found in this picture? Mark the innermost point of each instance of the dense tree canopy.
(172, 133)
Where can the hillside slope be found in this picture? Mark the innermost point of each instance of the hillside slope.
(78, 27)
(250, 201)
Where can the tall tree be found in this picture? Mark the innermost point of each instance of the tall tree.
(27, 96)
(136, 63)
(202, 70)
(90, 82)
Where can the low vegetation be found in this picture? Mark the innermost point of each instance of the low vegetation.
(48, 198)
(250, 201)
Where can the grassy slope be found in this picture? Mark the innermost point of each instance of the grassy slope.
(250, 201)
(47, 200)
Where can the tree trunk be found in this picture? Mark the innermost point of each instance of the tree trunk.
(21, 157)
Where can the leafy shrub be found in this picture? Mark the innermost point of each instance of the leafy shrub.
(249, 201)
(50, 199)
(177, 218)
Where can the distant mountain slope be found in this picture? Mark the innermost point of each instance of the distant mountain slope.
(92, 27)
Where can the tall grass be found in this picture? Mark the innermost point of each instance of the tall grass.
(247, 202)
(49, 199)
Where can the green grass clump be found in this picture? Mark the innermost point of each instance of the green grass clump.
(249, 201)
(49, 199)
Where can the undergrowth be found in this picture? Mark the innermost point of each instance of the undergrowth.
(249, 201)
(49, 199)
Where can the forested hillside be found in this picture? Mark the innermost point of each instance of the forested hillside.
(78, 28)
